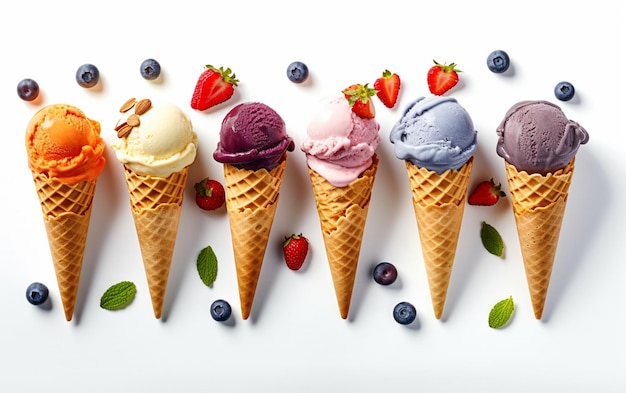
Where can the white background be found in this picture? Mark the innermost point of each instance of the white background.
(295, 339)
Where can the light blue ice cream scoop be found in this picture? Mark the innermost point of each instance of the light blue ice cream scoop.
(436, 133)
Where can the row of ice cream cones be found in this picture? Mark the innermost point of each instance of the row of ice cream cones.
(438, 200)
(251, 200)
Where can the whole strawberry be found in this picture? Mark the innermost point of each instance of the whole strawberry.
(486, 193)
(360, 99)
(214, 86)
(295, 249)
(388, 87)
(442, 77)
(210, 194)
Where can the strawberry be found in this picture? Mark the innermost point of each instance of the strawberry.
(359, 98)
(486, 193)
(295, 249)
(442, 78)
(210, 194)
(214, 86)
(388, 86)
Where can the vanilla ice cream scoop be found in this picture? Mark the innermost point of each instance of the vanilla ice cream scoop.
(156, 141)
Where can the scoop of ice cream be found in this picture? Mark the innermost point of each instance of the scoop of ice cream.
(339, 144)
(435, 133)
(162, 143)
(536, 137)
(253, 136)
(64, 144)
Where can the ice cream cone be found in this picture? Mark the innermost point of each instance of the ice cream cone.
(251, 201)
(156, 204)
(439, 201)
(539, 204)
(343, 212)
(66, 210)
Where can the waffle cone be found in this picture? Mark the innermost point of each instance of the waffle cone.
(439, 201)
(539, 205)
(66, 210)
(251, 201)
(343, 212)
(156, 204)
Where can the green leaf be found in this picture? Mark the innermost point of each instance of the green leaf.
(491, 239)
(501, 313)
(118, 296)
(207, 266)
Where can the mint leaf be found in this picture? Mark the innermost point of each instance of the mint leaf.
(492, 241)
(501, 312)
(207, 266)
(118, 296)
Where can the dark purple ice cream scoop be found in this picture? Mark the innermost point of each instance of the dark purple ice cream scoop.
(253, 136)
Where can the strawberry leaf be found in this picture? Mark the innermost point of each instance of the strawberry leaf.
(207, 266)
(501, 313)
(492, 241)
(118, 296)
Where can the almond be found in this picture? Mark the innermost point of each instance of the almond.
(127, 105)
(143, 106)
(119, 125)
(133, 120)
(124, 130)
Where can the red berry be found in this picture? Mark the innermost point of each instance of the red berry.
(214, 86)
(388, 87)
(486, 193)
(295, 250)
(442, 78)
(210, 194)
(360, 99)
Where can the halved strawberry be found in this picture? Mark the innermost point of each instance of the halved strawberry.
(214, 86)
(388, 86)
(486, 193)
(359, 98)
(442, 78)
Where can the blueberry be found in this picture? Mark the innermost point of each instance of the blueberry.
(37, 293)
(87, 75)
(150, 69)
(498, 61)
(385, 273)
(564, 91)
(297, 72)
(404, 313)
(220, 310)
(28, 89)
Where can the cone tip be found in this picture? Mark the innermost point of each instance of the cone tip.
(69, 312)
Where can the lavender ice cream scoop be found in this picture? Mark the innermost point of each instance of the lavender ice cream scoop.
(435, 133)
(253, 136)
(536, 137)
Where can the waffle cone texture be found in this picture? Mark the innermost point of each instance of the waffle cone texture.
(439, 202)
(342, 212)
(539, 203)
(66, 210)
(251, 201)
(156, 204)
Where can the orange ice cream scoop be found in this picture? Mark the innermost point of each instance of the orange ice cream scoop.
(64, 144)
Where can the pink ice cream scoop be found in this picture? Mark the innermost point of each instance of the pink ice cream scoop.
(536, 137)
(339, 144)
(253, 136)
